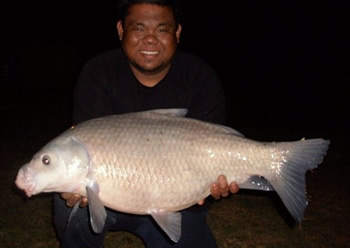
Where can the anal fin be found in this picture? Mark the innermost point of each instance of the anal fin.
(170, 222)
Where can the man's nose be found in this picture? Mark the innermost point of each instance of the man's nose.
(150, 38)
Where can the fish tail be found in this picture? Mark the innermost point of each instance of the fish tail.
(289, 182)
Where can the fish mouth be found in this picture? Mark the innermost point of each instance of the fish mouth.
(27, 189)
(25, 182)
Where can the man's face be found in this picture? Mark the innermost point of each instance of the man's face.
(149, 37)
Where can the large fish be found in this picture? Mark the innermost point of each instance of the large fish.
(158, 162)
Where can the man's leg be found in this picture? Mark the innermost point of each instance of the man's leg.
(195, 231)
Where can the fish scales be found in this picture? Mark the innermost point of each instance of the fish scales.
(157, 163)
(171, 171)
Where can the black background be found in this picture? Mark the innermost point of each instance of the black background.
(283, 64)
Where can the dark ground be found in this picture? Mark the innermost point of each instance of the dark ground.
(285, 70)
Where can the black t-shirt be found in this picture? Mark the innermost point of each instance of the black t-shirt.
(107, 86)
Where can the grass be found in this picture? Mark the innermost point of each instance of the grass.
(244, 220)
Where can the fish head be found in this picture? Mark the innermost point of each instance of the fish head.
(60, 166)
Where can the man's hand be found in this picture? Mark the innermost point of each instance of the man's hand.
(72, 199)
(221, 188)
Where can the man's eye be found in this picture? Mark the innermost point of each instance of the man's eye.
(46, 160)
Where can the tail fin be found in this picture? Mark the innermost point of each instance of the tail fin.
(289, 182)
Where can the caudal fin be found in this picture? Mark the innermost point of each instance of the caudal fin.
(289, 182)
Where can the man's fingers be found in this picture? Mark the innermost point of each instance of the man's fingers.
(223, 186)
(84, 202)
(66, 196)
(215, 191)
(234, 187)
(71, 199)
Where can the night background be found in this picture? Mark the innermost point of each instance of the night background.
(284, 66)
(282, 63)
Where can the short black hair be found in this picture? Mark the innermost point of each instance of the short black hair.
(174, 5)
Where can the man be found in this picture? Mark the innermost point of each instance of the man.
(147, 73)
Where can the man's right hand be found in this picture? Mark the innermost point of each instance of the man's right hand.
(72, 199)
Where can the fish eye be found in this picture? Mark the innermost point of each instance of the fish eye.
(46, 160)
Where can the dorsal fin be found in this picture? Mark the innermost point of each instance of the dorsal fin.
(171, 112)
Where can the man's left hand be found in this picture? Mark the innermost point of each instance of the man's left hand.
(221, 189)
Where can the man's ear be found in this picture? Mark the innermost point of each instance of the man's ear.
(178, 33)
(120, 29)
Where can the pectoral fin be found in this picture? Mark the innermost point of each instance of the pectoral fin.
(73, 212)
(97, 211)
(170, 222)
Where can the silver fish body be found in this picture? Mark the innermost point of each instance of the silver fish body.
(157, 163)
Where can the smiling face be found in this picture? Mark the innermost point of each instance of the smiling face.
(149, 38)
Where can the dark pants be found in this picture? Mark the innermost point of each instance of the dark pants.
(78, 234)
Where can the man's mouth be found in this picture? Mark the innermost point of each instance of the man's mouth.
(149, 52)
